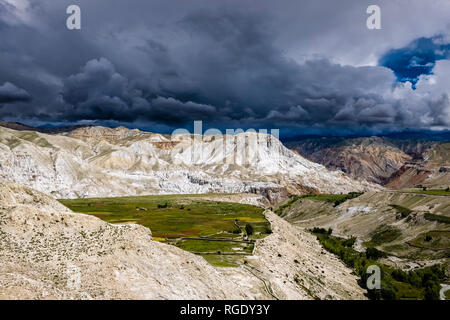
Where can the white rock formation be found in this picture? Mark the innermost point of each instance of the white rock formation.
(98, 161)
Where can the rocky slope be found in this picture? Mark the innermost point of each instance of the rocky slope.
(400, 234)
(370, 158)
(98, 161)
(48, 252)
(296, 265)
(432, 171)
(395, 163)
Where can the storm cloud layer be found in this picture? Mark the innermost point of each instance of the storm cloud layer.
(9, 93)
(301, 66)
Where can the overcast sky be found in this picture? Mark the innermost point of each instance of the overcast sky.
(304, 66)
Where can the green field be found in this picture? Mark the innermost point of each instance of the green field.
(335, 199)
(434, 192)
(437, 217)
(435, 239)
(383, 234)
(404, 212)
(174, 217)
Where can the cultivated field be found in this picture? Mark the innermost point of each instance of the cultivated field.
(222, 232)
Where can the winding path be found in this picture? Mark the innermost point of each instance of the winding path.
(267, 287)
(444, 288)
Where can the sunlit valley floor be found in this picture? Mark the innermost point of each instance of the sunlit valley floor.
(223, 233)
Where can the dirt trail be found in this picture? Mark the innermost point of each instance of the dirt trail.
(443, 290)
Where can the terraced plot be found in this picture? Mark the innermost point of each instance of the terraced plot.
(435, 192)
(434, 240)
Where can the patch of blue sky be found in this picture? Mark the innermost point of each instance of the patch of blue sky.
(417, 58)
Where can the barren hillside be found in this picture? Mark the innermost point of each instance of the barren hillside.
(433, 171)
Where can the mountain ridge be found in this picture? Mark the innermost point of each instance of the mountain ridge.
(379, 159)
(99, 161)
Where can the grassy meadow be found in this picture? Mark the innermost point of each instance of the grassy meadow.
(172, 218)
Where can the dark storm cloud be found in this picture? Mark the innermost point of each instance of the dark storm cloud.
(170, 63)
(98, 92)
(10, 93)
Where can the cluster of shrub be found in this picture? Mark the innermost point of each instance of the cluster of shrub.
(316, 230)
(436, 217)
(163, 206)
(346, 197)
(403, 211)
(395, 284)
(427, 278)
(249, 229)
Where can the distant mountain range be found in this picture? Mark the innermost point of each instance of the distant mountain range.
(443, 135)
(44, 129)
(409, 160)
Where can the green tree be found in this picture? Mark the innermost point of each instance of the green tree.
(249, 229)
